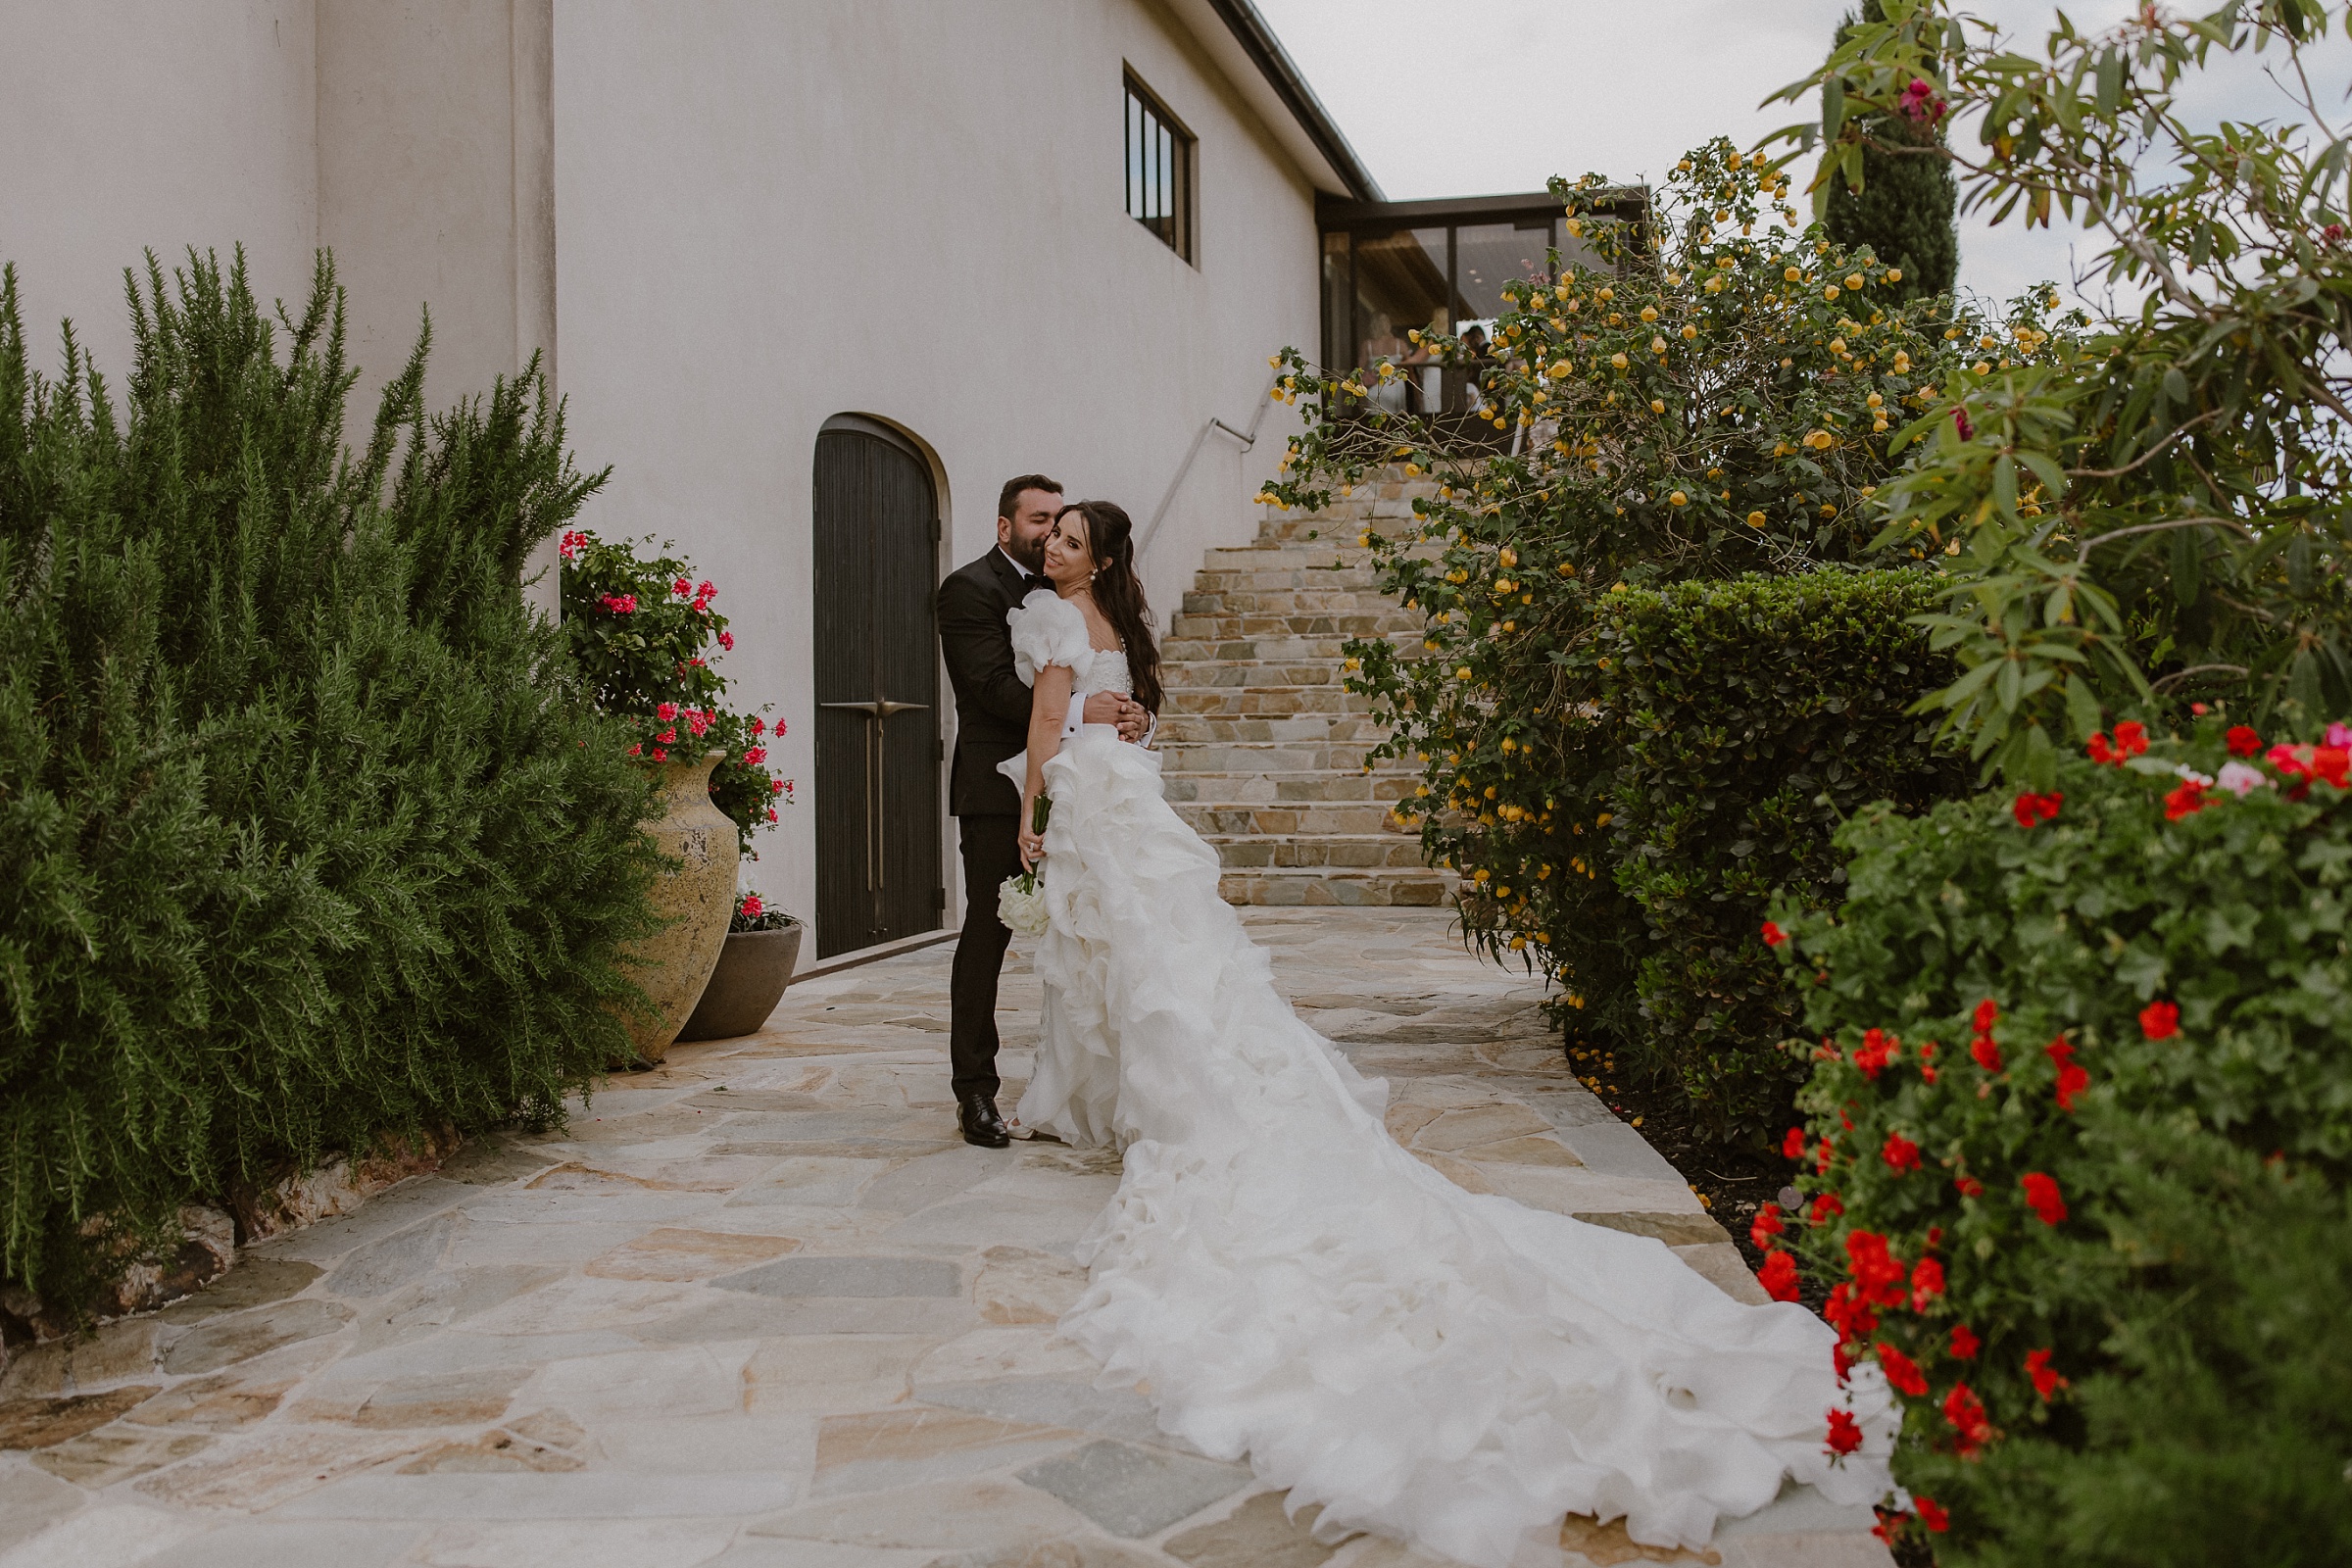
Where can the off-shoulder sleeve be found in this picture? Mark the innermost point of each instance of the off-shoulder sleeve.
(1048, 629)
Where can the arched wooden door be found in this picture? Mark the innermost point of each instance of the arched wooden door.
(877, 689)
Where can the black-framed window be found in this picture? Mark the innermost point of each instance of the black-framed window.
(1161, 156)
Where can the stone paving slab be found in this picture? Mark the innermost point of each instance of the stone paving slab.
(761, 1307)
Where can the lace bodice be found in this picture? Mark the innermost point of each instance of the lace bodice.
(1107, 673)
(1050, 630)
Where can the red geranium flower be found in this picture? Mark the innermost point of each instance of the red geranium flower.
(2160, 1020)
(1778, 1276)
(1932, 1514)
(1987, 1054)
(1900, 1154)
(1968, 1186)
(2042, 1195)
(1825, 1205)
(1927, 1284)
(1847, 1315)
(1985, 1016)
(1845, 1434)
(2130, 739)
(2032, 810)
(2071, 1080)
(2307, 762)
(1878, 1272)
(1774, 935)
(1823, 1155)
(1793, 1146)
(1966, 1412)
(2045, 1381)
(2186, 801)
(1768, 1225)
(1964, 1341)
(1877, 1049)
(1902, 1371)
(2242, 741)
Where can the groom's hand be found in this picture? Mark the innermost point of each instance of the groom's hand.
(1133, 717)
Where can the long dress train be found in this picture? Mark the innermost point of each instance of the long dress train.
(1453, 1369)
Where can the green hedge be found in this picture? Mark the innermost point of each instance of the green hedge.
(2081, 1092)
(1748, 718)
(307, 834)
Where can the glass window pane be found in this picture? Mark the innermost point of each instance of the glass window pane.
(1167, 180)
(1135, 157)
(1400, 285)
(1338, 294)
(1488, 256)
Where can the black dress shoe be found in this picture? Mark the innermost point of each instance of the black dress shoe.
(981, 1123)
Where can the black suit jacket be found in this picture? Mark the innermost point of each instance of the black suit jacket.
(992, 705)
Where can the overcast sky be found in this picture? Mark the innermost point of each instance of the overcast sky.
(1468, 97)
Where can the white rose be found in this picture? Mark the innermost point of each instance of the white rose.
(1022, 908)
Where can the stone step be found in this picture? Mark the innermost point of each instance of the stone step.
(1229, 674)
(1386, 623)
(1330, 646)
(1274, 576)
(1331, 555)
(1266, 701)
(1332, 851)
(1222, 821)
(1178, 729)
(1287, 602)
(1324, 885)
(1302, 788)
(1259, 759)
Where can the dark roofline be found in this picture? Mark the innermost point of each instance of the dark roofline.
(1625, 201)
(1274, 63)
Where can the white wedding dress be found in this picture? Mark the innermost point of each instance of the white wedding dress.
(1284, 1281)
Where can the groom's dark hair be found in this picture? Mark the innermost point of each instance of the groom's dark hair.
(1008, 499)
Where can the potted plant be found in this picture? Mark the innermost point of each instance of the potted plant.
(763, 948)
(639, 631)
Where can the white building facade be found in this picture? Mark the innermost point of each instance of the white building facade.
(725, 226)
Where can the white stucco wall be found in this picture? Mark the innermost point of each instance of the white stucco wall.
(127, 125)
(766, 215)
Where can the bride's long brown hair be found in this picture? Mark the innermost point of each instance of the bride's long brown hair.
(1119, 593)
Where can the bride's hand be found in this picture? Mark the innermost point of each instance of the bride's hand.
(1033, 850)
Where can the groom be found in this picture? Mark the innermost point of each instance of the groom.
(992, 723)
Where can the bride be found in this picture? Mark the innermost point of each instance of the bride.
(1284, 1281)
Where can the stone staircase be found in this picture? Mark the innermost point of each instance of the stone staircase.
(1264, 746)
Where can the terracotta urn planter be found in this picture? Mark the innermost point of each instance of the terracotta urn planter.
(695, 897)
(747, 985)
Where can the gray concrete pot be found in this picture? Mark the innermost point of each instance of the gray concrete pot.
(754, 968)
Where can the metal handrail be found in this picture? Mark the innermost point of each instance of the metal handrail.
(1248, 439)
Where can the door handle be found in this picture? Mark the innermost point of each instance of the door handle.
(879, 708)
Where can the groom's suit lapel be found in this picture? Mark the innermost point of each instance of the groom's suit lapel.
(1008, 577)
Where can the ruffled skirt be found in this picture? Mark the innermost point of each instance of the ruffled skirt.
(1448, 1368)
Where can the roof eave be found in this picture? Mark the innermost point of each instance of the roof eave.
(1250, 33)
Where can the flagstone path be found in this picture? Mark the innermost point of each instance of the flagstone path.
(761, 1308)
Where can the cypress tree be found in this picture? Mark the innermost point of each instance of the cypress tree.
(308, 832)
(1904, 212)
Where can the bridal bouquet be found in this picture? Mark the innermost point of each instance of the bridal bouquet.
(1021, 901)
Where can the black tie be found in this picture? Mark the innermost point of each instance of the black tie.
(1031, 582)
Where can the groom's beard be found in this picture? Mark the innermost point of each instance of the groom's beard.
(1030, 555)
